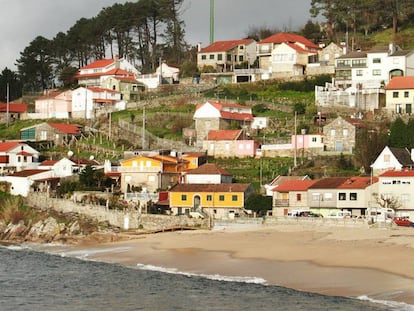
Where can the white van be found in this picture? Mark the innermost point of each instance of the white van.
(339, 214)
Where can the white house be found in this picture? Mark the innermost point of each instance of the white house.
(21, 182)
(208, 173)
(392, 158)
(16, 156)
(89, 102)
(61, 168)
(398, 186)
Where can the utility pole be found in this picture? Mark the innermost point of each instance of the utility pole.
(143, 129)
(296, 146)
(7, 105)
(211, 21)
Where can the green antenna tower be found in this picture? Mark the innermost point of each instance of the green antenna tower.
(211, 21)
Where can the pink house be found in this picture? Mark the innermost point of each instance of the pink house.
(229, 143)
(54, 104)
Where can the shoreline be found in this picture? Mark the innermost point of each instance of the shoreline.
(334, 261)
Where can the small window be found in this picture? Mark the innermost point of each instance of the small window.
(219, 56)
(359, 73)
(298, 197)
(376, 72)
(406, 94)
(221, 197)
(209, 197)
(234, 198)
(211, 56)
(376, 60)
(395, 94)
(353, 196)
(342, 196)
(183, 197)
(203, 57)
(241, 58)
(333, 132)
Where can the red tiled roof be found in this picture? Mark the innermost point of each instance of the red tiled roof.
(99, 64)
(237, 116)
(209, 169)
(8, 145)
(13, 107)
(329, 183)
(400, 83)
(223, 46)
(284, 37)
(99, 89)
(48, 163)
(223, 134)
(356, 122)
(392, 173)
(27, 173)
(294, 185)
(66, 128)
(358, 182)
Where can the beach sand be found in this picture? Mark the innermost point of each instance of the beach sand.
(343, 261)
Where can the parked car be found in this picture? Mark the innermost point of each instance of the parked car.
(339, 214)
(308, 214)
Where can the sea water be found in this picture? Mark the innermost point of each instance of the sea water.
(33, 280)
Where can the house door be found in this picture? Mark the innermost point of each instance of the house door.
(197, 201)
(338, 145)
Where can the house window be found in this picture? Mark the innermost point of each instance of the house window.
(395, 94)
(359, 73)
(342, 196)
(387, 158)
(316, 196)
(221, 197)
(353, 196)
(408, 108)
(376, 61)
(298, 196)
(234, 198)
(333, 132)
(209, 197)
(203, 57)
(240, 58)
(219, 56)
(406, 94)
(398, 108)
(228, 57)
(183, 197)
(345, 132)
(148, 163)
(314, 139)
(376, 72)
(327, 196)
(211, 56)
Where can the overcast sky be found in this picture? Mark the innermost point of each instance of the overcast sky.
(24, 20)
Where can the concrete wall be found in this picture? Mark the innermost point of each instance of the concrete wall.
(126, 219)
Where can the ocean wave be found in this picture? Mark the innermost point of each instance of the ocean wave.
(85, 254)
(215, 277)
(394, 305)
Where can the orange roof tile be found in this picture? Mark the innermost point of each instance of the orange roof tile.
(66, 128)
(392, 173)
(400, 83)
(224, 46)
(284, 37)
(13, 107)
(210, 188)
(209, 169)
(358, 182)
(8, 145)
(294, 185)
(99, 64)
(223, 134)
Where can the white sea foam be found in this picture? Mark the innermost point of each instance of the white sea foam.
(84, 254)
(216, 277)
(394, 305)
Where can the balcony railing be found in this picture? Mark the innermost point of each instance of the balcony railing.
(281, 202)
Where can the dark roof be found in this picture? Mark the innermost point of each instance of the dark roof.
(329, 183)
(210, 188)
(403, 156)
(357, 54)
(209, 169)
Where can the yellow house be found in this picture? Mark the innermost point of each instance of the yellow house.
(195, 159)
(220, 201)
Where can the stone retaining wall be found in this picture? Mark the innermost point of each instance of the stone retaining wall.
(126, 219)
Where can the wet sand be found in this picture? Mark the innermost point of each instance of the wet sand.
(328, 260)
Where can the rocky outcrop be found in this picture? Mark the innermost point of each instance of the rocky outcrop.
(48, 228)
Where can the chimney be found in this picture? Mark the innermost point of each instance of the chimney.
(198, 46)
(392, 48)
